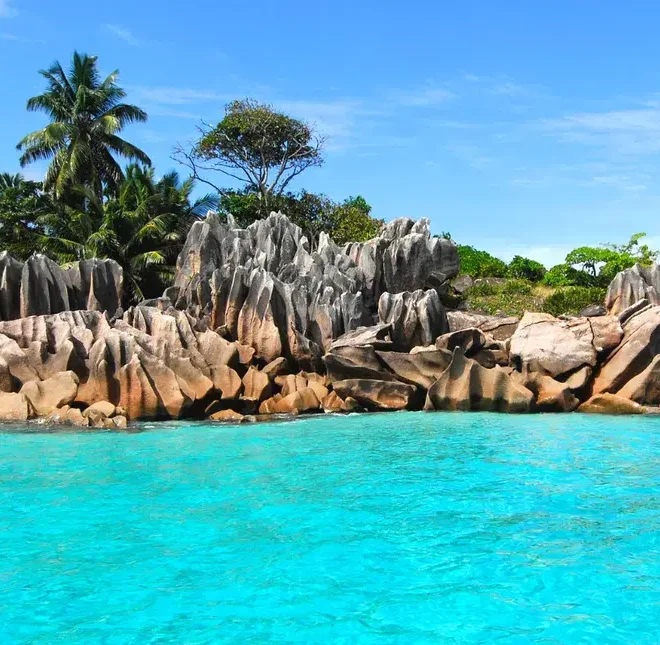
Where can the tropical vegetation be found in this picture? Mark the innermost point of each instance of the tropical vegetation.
(90, 206)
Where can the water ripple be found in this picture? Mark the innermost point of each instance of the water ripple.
(397, 528)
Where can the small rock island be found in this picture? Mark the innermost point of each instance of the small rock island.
(258, 323)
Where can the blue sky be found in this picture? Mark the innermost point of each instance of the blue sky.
(520, 127)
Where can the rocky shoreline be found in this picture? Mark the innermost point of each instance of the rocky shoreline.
(259, 323)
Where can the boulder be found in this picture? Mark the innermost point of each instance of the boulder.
(462, 283)
(377, 395)
(552, 346)
(465, 385)
(639, 346)
(607, 332)
(276, 368)
(46, 396)
(227, 416)
(104, 408)
(227, 381)
(607, 403)
(415, 318)
(645, 387)
(74, 417)
(15, 407)
(497, 327)
(578, 381)
(550, 395)
(360, 362)
(378, 336)
(304, 400)
(592, 311)
(470, 340)
(120, 422)
(256, 385)
(332, 402)
(421, 369)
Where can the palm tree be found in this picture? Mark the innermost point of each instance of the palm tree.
(22, 205)
(86, 116)
(143, 228)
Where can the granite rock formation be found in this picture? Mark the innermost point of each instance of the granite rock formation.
(259, 323)
(631, 286)
(265, 287)
(40, 287)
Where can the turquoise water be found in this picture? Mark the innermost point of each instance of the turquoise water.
(399, 528)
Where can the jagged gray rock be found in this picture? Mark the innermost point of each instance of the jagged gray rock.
(631, 286)
(265, 286)
(40, 287)
(416, 318)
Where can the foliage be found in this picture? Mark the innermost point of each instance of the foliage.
(142, 228)
(564, 275)
(86, 117)
(351, 221)
(604, 262)
(517, 286)
(257, 146)
(348, 221)
(22, 205)
(480, 264)
(526, 269)
(571, 300)
(507, 297)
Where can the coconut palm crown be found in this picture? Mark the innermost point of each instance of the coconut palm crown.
(81, 140)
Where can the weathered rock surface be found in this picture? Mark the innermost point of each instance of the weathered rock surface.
(465, 385)
(631, 286)
(549, 395)
(640, 344)
(266, 288)
(498, 328)
(645, 387)
(607, 403)
(14, 407)
(227, 416)
(40, 287)
(556, 347)
(421, 369)
(415, 318)
(377, 395)
(46, 396)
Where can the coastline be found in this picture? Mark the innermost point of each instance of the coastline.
(259, 323)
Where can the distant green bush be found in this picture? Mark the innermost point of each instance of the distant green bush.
(516, 286)
(564, 275)
(484, 289)
(526, 269)
(480, 264)
(568, 301)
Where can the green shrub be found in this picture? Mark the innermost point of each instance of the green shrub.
(526, 269)
(564, 275)
(516, 286)
(571, 300)
(480, 264)
(483, 289)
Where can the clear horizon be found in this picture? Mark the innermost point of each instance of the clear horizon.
(520, 129)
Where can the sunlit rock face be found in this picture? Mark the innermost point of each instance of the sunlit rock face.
(266, 287)
(40, 287)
